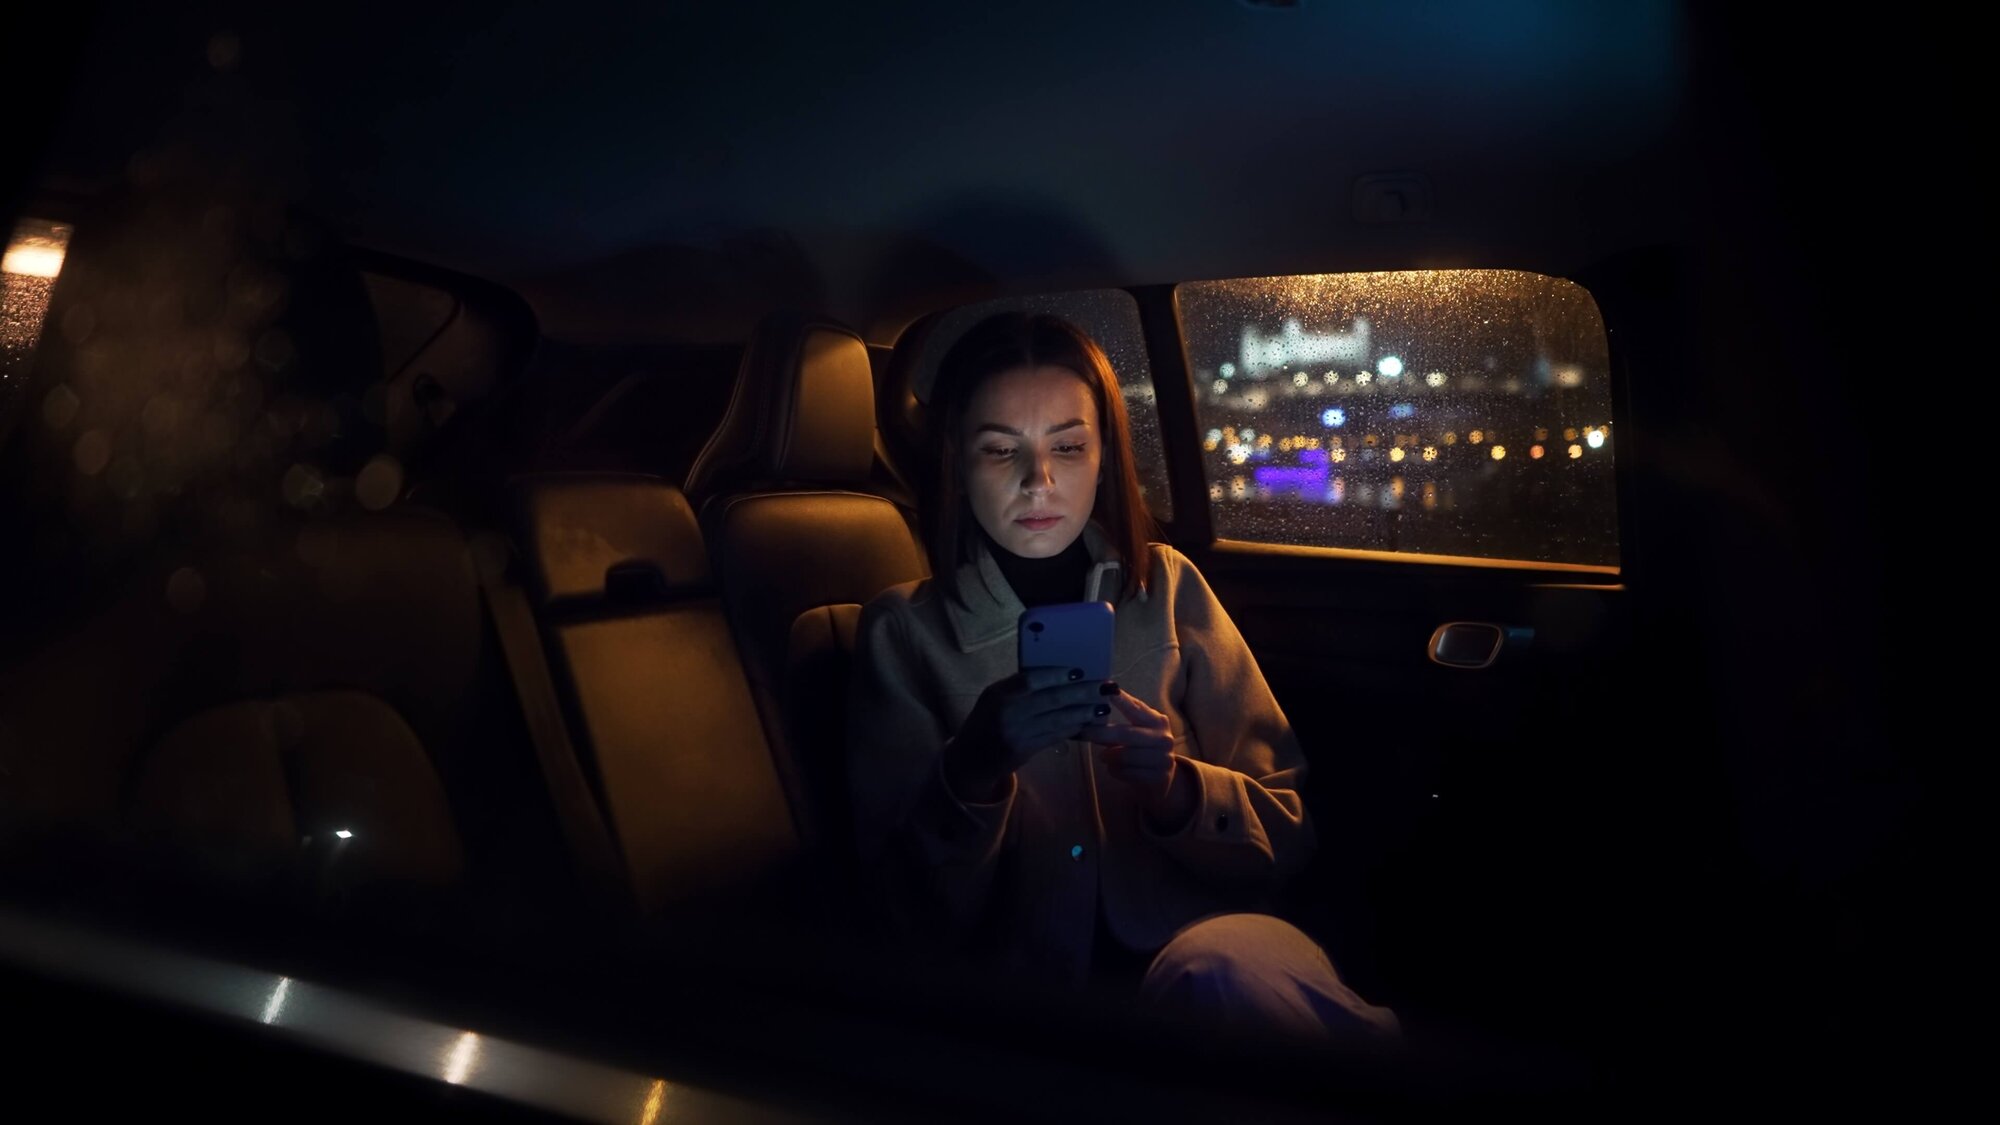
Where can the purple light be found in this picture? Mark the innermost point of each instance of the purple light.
(1293, 479)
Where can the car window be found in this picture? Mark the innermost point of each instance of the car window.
(1111, 317)
(34, 257)
(1442, 412)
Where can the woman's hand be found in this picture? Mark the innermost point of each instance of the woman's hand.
(1015, 719)
(1140, 753)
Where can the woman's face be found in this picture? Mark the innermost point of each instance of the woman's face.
(1031, 455)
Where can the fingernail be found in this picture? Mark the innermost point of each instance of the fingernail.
(1110, 688)
(1103, 709)
(1075, 674)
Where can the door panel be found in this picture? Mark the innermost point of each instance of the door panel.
(1456, 807)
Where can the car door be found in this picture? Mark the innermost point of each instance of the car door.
(1406, 491)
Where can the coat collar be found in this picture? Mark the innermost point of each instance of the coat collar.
(987, 610)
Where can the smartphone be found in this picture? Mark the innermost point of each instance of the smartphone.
(1069, 635)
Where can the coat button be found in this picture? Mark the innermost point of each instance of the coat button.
(1076, 851)
(1222, 823)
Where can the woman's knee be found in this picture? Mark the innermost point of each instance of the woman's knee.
(1230, 945)
(1245, 969)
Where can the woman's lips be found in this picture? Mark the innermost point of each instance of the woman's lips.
(1039, 523)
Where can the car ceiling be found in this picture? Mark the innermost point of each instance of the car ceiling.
(669, 169)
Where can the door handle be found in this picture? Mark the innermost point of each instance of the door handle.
(1473, 645)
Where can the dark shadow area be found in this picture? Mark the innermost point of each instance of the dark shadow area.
(689, 294)
(960, 250)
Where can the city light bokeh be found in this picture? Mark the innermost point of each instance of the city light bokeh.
(1506, 360)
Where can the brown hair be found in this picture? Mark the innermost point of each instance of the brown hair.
(1006, 342)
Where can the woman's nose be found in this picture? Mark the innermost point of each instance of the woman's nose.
(1039, 478)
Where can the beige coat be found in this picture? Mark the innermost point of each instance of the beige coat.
(1067, 844)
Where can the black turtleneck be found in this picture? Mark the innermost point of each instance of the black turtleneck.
(1058, 578)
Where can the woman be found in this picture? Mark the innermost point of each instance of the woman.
(1079, 828)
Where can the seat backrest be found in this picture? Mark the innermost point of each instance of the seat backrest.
(783, 489)
(455, 350)
(661, 712)
(813, 698)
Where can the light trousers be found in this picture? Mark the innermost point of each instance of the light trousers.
(1259, 973)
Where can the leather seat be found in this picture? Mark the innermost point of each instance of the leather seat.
(661, 714)
(801, 538)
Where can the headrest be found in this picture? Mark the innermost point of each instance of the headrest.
(913, 369)
(619, 537)
(450, 344)
(803, 411)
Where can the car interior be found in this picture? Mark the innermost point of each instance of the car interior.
(446, 454)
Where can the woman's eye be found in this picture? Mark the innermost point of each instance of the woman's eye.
(997, 453)
(1069, 449)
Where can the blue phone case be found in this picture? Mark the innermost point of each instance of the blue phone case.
(1069, 635)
